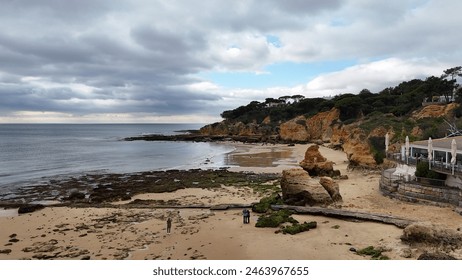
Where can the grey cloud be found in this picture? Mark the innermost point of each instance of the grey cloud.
(175, 42)
(307, 6)
(140, 56)
(73, 12)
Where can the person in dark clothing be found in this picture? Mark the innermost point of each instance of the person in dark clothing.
(169, 225)
(246, 216)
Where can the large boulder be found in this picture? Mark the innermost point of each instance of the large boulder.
(317, 165)
(435, 256)
(298, 188)
(29, 208)
(332, 188)
(431, 235)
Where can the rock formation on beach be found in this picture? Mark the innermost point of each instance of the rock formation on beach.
(317, 165)
(298, 188)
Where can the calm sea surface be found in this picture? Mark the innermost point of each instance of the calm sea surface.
(29, 152)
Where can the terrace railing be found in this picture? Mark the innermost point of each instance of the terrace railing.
(389, 179)
(436, 165)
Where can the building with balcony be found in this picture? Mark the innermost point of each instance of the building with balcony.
(402, 183)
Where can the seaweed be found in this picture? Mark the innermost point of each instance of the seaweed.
(375, 253)
(297, 228)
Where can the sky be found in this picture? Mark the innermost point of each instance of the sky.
(148, 61)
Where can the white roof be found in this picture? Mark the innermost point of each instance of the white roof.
(442, 144)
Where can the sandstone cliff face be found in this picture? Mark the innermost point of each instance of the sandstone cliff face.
(238, 128)
(294, 130)
(434, 111)
(220, 128)
(355, 144)
(325, 127)
(320, 125)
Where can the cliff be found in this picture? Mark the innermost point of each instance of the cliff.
(325, 127)
(361, 139)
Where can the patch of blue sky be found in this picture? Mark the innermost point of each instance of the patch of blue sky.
(283, 74)
(274, 40)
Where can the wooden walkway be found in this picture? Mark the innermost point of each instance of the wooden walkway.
(345, 214)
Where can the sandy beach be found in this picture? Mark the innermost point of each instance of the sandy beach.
(120, 232)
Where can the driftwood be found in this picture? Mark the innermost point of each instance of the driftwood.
(345, 214)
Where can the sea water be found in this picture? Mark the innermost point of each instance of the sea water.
(29, 152)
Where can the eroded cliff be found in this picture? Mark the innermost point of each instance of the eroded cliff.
(361, 139)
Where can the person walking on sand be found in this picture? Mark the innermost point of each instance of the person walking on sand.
(169, 225)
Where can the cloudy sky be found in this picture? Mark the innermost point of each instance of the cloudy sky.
(187, 60)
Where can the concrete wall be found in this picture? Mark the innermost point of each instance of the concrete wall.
(421, 192)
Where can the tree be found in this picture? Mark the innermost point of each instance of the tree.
(365, 93)
(453, 72)
(349, 106)
(297, 97)
(284, 98)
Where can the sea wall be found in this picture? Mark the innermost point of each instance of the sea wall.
(419, 192)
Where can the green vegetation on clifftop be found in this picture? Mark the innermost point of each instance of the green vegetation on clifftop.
(392, 104)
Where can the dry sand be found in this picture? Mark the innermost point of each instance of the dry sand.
(120, 233)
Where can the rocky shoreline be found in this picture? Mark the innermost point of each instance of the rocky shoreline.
(97, 190)
(197, 137)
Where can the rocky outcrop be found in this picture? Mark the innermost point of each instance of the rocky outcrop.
(317, 165)
(435, 111)
(435, 256)
(29, 208)
(298, 188)
(228, 128)
(355, 144)
(332, 188)
(431, 235)
(326, 127)
(317, 128)
(320, 126)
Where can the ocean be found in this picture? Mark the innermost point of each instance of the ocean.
(33, 152)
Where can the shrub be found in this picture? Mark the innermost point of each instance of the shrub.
(377, 145)
(423, 171)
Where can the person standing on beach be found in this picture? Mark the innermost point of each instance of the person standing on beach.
(169, 225)
(246, 216)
